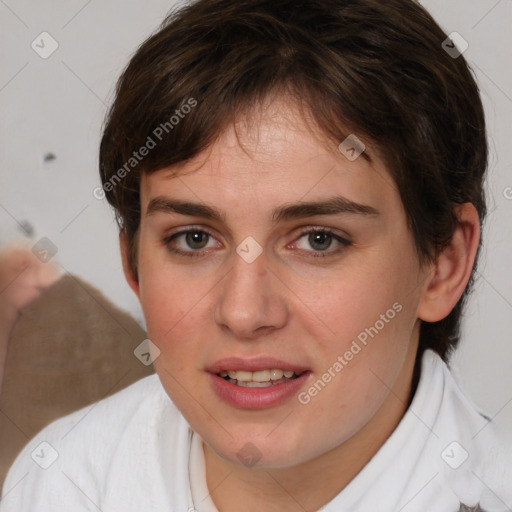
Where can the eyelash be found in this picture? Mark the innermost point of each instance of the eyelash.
(315, 254)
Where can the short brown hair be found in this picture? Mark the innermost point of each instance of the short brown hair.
(373, 68)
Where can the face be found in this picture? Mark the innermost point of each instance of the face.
(241, 286)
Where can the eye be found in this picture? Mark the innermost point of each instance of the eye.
(194, 242)
(321, 239)
(190, 242)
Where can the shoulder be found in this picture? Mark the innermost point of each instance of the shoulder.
(481, 454)
(72, 459)
(495, 473)
(108, 419)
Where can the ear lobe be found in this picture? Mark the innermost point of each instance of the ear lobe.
(452, 268)
(125, 256)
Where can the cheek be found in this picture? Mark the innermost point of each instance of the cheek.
(172, 310)
(167, 322)
(353, 383)
(342, 305)
(167, 295)
(362, 327)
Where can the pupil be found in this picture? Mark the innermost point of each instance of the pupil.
(316, 239)
(196, 239)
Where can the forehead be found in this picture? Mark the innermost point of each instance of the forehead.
(275, 153)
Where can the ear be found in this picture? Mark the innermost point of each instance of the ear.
(131, 279)
(452, 268)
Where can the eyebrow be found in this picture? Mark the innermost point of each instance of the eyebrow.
(330, 206)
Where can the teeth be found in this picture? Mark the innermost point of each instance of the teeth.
(260, 377)
(277, 374)
(253, 384)
(243, 375)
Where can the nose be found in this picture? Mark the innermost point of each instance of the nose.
(252, 300)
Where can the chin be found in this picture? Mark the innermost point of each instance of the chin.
(261, 450)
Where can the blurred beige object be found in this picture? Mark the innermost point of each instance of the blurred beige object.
(70, 347)
(23, 276)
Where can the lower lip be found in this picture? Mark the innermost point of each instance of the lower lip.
(256, 398)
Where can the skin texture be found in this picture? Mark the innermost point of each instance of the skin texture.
(289, 304)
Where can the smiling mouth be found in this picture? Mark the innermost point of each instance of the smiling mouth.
(258, 379)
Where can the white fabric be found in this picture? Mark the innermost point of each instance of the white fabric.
(133, 452)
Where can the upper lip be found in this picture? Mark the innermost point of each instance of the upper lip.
(254, 364)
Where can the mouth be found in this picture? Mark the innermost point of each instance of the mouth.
(260, 378)
(256, 383)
